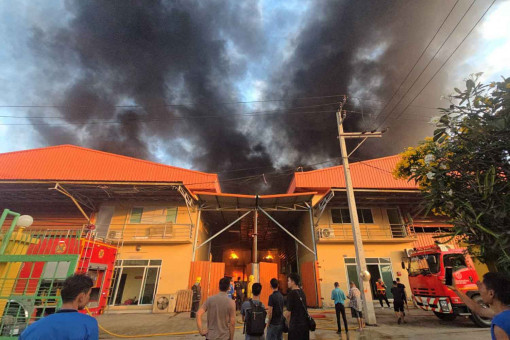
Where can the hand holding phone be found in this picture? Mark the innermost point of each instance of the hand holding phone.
(448, 276)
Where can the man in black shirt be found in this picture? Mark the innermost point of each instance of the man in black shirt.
(296, 310)
(403, 288)
(238, 286)
(398, 302)
(275, 313)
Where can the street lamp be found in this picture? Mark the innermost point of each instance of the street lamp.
(25, 221)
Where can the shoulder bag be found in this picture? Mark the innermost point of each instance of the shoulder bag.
(311, 322)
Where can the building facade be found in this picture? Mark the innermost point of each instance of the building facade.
(172, 225)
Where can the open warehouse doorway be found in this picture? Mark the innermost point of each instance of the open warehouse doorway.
(259, 236)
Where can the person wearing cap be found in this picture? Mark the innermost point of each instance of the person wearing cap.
(197, 296)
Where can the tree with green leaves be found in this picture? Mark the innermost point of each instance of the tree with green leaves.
(464, 170)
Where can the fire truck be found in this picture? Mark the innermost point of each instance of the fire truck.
(34, 264)
(426, 269)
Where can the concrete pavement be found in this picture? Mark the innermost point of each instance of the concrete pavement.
(420, 325)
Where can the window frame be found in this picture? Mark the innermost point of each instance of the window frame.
(131, 215)
(361, 217)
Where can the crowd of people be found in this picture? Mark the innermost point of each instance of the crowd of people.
(261, 322)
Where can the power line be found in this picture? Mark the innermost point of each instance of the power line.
(446, 61)
(430, 61)
(169, 105)
(419, 58)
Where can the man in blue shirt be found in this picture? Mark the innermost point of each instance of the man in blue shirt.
(67, 323)
(495, 292)
(338, 296)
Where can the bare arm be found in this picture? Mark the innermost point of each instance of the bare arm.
(269, 313)
(500, 334)
(287, 315)
(472, 305)
(232, 321)
(201, 312)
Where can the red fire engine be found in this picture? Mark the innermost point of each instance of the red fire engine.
(426, 270)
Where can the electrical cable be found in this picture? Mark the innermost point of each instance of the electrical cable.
(419, 58)
(169, 105)
(446, 61)
(430, 61)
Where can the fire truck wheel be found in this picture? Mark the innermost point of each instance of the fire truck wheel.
(478, 320)
(445, 317)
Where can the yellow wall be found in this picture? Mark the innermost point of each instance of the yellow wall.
(332, 265)
(379, 229)
(304, 234)
(175, 265)
(202, 254)
(176, 256)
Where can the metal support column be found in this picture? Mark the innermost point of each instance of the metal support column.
(315, 279)
(197, 226)
(255, 260)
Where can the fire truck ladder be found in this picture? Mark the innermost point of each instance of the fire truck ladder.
(86, 252)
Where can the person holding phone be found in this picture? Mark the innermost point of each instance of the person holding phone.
(495, 291)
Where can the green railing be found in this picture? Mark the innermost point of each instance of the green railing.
(33, 265)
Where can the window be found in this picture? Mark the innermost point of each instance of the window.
(136, 215)
(171, 214)
(456, 261)
(135, 282)
(424, 264)
(342, 216)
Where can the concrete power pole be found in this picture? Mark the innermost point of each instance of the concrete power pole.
(361, 264)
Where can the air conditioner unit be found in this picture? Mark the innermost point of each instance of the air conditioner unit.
(327, 233)
(114, 234)
(408, 252)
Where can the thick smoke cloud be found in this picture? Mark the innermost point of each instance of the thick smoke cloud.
(149, 54)
(195, 52)
(362, 49)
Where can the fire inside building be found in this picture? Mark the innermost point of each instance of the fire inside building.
(152, 229)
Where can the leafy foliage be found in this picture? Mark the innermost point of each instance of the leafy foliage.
(464, 169)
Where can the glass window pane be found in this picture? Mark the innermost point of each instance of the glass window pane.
(384, 260)
(171, 214)
(372, 260)
(393, 216)
(346, 218)
(336, 217)
(352, 275)
(366, 216)
(136, 262)
(129, 286)
(136, 215)
(149, 289)
(118, 262)
(387, 277)
(350, 260)
(155, 262)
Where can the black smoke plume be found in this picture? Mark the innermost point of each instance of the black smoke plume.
(152, 53)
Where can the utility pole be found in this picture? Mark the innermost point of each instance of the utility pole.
(361, 264)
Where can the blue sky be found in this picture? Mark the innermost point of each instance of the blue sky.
(486, 50)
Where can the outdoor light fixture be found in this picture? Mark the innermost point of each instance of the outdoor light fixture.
(138, 247)
(234, 256)
(25, 221)
(269, 257)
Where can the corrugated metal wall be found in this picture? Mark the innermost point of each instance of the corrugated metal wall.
(211, 273)
(307, 279)
(267, 272)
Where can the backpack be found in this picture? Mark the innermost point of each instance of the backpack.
(255, 319)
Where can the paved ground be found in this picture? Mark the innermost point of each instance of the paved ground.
(421, 326)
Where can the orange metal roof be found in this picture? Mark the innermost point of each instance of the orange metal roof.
(74, 163)
(370, 174)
